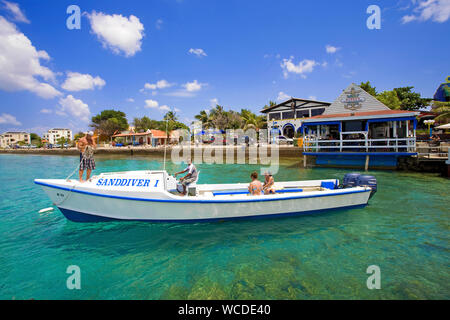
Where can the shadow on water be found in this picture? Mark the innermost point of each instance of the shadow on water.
(126, 236)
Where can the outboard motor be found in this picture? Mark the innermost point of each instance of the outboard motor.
(367, 181)
(350, 180)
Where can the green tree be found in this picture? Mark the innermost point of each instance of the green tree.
(78, 136)
(36, 140)
(61, 141)
(251, 120)
(219, 118)
(271, 104)
(143, 124)
(442, 109)
(410, 100)
(205, 118)
(366, 86)
(389, 99)
(109, 121)
(171, 116)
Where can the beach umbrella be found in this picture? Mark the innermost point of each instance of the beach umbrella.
(444, 126)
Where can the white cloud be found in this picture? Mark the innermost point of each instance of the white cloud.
(159, 24)
(118, 33)
(20, 63)
(161, 84)
(312, 98)
(214, 102)
(181, 94)
(14, 10)
(151, 103)
(304, 66)
(6, 118)
(74, 107)
(198, 52)
(189, 89)
(76, 82)
(176, 110)
(47, 111)
(193, 86)
(283, 96)
(435, 10)
(164, 108)
(408, 18)
(331, 49)
(130, 100)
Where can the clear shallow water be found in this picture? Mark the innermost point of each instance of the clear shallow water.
(404, 230)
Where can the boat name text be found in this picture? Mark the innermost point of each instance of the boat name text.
(126, 182)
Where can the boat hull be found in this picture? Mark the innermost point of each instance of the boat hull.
(84, 206)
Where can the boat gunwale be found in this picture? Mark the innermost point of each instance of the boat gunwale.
(269, 198)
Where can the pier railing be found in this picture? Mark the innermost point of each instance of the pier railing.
(312, 144)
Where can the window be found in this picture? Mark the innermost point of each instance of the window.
(303, 113)
(317, 112)
(350, 126)
(274, 116)
(288, 115)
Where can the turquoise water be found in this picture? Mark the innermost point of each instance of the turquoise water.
(404, 230)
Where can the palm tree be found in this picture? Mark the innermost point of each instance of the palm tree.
(442, 109)
(251, 120)
(205, 119)
(271, 104)
(171, 116)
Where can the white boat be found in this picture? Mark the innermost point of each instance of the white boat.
(153, 196)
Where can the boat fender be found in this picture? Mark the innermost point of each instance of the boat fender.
(46, 210)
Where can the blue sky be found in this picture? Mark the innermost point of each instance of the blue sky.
(145, 57)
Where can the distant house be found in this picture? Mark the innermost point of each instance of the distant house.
(151, 137)
(53, 135)
(134, 138)
(159, 137)
(11, 138)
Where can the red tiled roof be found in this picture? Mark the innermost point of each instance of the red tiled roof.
(361, 114)
(158, 134)
(131, 134)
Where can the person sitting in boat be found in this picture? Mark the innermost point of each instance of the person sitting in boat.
(86, 145)
(190, 177)
(269, 182)
(255, 186)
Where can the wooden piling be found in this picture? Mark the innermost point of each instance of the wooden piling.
(366, 166)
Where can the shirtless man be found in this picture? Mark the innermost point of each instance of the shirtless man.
(86, 160)
(255, 186)
(268, 183)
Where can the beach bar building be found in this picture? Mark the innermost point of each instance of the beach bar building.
(358, 130)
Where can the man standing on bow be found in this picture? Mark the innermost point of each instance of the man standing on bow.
(86, 146)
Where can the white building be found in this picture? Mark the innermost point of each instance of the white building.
(286, 118)
(53, 135)
(12, 138)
